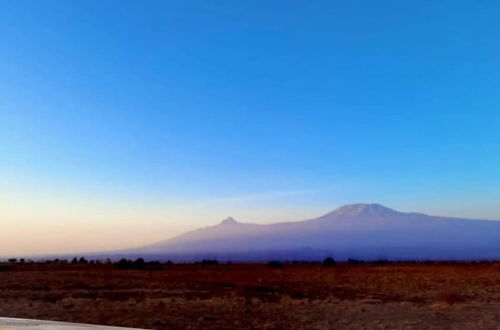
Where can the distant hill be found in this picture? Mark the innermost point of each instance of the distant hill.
(364, 231)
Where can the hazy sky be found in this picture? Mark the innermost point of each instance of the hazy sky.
(127, 122)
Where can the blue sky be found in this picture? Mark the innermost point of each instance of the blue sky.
(173, 114)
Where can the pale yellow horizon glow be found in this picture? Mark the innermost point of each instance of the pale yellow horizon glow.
(43, 225)
(33, 223)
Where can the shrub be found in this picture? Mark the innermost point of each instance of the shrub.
(206, 262)
(351, 261)
(123, 264)
(154, 265)
(274, 264)
(139, 264)
(329, 262)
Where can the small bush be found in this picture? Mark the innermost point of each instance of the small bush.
(154, 265)
(351, 261)
(124, 264)
(207, 262)
(138, 264)
(274, 264)
(329, 262)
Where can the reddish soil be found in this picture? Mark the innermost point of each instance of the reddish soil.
(254, 296)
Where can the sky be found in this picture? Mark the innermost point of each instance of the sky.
(127, 122)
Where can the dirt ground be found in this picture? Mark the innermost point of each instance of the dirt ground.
(249, 296)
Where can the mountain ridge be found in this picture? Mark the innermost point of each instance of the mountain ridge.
(364, 230)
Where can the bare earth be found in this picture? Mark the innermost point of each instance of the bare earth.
(398, 296)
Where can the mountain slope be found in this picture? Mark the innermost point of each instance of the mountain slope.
(367, 231)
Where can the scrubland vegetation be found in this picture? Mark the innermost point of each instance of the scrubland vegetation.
(276, 295)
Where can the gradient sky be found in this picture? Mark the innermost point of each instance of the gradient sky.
(127, 122)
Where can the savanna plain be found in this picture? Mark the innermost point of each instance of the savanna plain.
(257, 296)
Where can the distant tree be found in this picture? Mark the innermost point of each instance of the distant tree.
(139, 263)
(82, 260)
(123, 264)
(352, 261)
(74, 260)
(275, 264)
(12, 260)
(154, 265)
(206, 262)
(329, 262)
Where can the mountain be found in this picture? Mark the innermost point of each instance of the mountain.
(364, 231)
